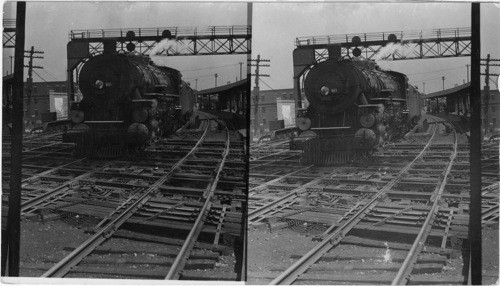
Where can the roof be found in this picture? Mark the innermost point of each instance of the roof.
(455, 91)
(226, 87)
(9, 77)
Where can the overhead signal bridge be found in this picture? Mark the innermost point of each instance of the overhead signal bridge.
(440, 43)
(9, 33)
(189, 41)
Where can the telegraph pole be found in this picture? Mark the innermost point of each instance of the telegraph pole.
(474, 263)
(467, 65)
(424, 87)
(487, 94)
(29, 81)
(216, 80)
(443, 78)
(11, 238)
(11, 64)
(257, 89)
(241, 67)
(196, 83)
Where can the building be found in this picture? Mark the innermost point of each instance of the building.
(48, 102)
(490, 112)
(267, 109)
(40, 100)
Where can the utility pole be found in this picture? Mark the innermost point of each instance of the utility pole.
(474, 238)
(11, 64)
(424, 88)
(11, 241)
(443, 78)
(216, 80)
(196, 83)
(467, 65)
(487, 94)
(29, 81)
(241, 67)
(256, 96)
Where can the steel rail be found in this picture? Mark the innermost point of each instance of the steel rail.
(271, 162)
(37, 200)
(262, 186)
(51, 170)
(262, 210)
(187, 247)
(72, 259)
(403, 275)
(305, 262)
(268, 155)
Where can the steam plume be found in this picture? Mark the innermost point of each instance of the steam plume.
(389, 52)
(167, 45)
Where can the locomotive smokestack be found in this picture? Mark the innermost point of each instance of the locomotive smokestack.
(334, 52)
(109, 46)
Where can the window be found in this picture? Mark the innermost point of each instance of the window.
(36, 112)
(264, 121)
(263, 110)
(35, 89)
(262, 98)
(493, 109)
(35, 101)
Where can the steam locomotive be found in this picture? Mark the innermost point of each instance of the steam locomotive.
(354, 107)
(128, 101)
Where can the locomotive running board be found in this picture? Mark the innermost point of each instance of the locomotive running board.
(332, 128)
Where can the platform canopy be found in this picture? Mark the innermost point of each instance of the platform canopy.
(238, 85)
(457, 91)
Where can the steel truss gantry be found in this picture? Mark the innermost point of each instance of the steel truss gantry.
(9, 33)
(409, 45)
(185, 41)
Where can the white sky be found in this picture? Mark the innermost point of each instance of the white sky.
(276, 25)
(49, 23)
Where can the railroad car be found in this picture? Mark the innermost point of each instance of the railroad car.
(128, 101)
(228, 102)
(354, 107)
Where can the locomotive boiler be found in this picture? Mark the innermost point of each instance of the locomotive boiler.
(354, 107)
(128, 101)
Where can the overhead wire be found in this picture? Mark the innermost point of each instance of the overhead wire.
(40, 76)
(225, 66)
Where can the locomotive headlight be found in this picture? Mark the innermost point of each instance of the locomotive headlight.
(99, 84)
(367, 120)
(324, 90)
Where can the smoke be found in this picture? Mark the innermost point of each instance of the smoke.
(165, 45)
(389, 52)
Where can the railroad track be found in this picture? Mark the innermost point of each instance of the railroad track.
(397, 218)
(175, 212)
